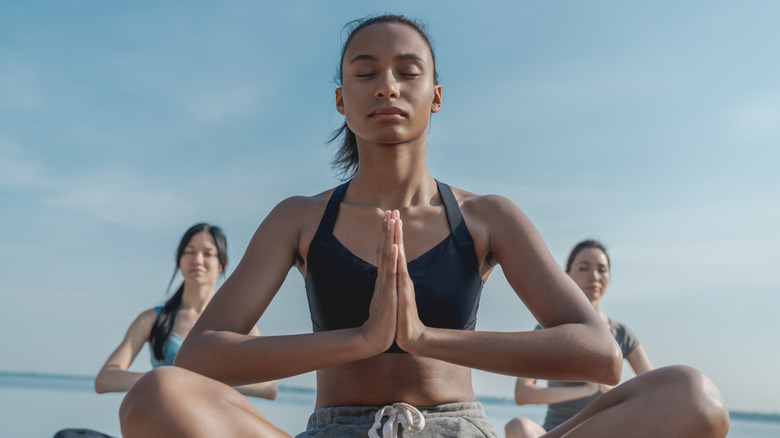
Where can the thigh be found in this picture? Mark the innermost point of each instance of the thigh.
(669, 402)
(171, 401)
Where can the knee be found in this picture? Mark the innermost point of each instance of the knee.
(702, 401)
(146, 397)
(521, 427)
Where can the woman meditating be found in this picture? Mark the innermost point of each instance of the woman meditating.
(393, 263)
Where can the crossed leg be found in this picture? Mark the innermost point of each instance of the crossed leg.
(171, 401)
(671, 402)
(675, 401)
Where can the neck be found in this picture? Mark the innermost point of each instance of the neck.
(392, 176)
(196, 296)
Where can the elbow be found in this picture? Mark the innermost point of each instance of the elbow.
(605, 359)
(100, 384)
(612, 365)
(273, 390)
(520, 400)
(524, 391)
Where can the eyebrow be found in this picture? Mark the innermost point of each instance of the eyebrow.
(599, 264)
(401, 57)
(206, 247)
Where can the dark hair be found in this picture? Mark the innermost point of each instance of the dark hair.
(163, 325)
(588, 243)
(346, 159)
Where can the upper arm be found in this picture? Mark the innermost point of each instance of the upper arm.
(245, 295)
(135, 338)
(550, 295)
(639, 361)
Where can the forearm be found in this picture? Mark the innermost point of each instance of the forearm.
(238, 359)
(115, 380)
(570, 352)
(267, 390)
(546, 395)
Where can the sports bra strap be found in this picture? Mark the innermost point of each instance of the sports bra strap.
(454, 217)
(457, 225)
(328, 221)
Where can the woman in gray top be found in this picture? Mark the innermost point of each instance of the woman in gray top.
(588, 265)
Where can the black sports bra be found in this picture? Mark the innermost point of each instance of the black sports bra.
(447, 280)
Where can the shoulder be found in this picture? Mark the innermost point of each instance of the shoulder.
(143, 323)
(148, 315)
(497, 224)
(619, 327)
(497, 212)
(290, 224)
(301, 206)
(626, 338)
(467, 199)
(497, 215)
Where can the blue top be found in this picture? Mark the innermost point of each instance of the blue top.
(169, 350)
(447, 280)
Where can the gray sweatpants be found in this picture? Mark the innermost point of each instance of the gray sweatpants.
(464, 420)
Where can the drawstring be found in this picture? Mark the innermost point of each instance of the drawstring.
(396, 413)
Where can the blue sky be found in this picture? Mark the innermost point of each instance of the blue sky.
(654, 127)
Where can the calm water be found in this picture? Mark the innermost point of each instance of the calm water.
(38, 406)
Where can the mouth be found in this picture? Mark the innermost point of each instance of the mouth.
(387, 114)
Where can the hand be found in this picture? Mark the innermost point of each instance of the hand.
(409, 327)
(380, 327)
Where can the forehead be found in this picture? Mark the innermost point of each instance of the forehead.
(201, 239)
(387, 39)
(591, 255)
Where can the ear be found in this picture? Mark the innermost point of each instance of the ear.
(436, 103)
(222, 267)
(339, 101)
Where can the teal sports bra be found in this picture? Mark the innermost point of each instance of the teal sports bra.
(170, 349)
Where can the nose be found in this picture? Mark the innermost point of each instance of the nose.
(387, 86)
(199, 257)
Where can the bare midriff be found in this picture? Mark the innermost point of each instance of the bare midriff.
(394, 377)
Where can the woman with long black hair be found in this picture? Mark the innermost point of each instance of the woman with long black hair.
(201, 258)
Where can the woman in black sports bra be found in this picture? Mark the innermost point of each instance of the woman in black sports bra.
(394, 262)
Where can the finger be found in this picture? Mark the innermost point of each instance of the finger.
(391, 269)
(385, 238)
(389, 256)
(399, 240)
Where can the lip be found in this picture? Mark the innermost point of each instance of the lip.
(387, 113)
